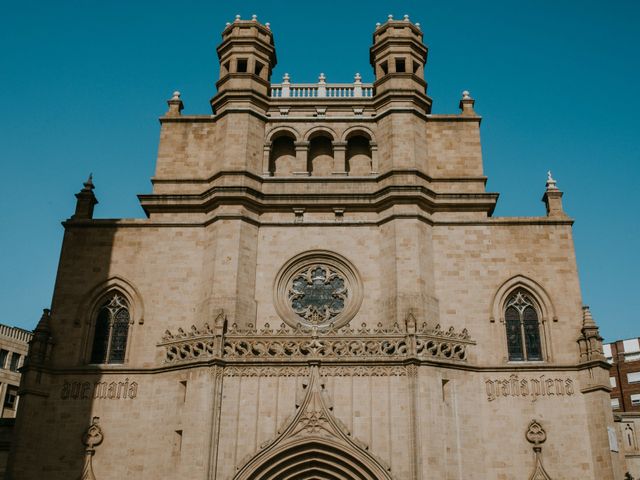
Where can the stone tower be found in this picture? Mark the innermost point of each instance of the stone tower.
(319, 290)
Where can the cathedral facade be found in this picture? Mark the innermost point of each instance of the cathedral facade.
(319, 291)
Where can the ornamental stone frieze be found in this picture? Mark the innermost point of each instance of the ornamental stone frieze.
(299, 343)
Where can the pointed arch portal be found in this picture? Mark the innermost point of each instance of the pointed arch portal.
(315, 459)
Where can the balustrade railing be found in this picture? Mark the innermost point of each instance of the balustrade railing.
(347, 344)
(286, 89)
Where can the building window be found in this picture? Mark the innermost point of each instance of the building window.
(11, 397)
(635, 400)
(13, 364)
(615, 403)
(111, 331)
(3, 358)
(612, 381)
(633, 377)
(523, 331)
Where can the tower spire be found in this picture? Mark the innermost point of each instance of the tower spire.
(86, 200)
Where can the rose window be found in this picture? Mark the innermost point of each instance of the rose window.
(318, 293)
(317, 289)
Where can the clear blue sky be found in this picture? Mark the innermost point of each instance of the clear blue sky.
(83, 83)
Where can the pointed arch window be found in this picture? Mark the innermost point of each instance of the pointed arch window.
(111, 330)
(523, 329)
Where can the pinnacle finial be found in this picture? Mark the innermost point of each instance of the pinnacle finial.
(268, 25)
(321, 78)
(44, 323)
(551, 183)
(587, 318)
(377, 25)
(466, 103)
(237, 18)
(227, 24)
(406, 17)
(389, 17)
(285, 78)
(176, 95)
(254, 17)
(417, 24)
(88, 185)
(357, 78)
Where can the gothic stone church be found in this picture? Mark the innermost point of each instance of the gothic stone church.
(319, 291)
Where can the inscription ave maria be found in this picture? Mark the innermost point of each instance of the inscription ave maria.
(99, 390)
(533, 388)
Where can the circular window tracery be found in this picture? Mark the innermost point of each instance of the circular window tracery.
(317, 289)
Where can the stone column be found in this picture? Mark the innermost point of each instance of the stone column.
(375, 165)
(302, 152)
(339, 158)
(266, 151)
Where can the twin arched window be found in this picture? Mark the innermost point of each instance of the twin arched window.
(111, 330)
(523, 330)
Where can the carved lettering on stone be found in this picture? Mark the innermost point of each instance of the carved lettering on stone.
(99, 390)
(542, 386)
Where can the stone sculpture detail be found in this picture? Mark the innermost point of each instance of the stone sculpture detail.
(92, 437)
(537, 436)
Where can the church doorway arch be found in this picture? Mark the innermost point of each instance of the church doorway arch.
(314, 459)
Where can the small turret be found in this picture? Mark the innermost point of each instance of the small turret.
(398, 57)
(247, 57)
(86, 200)
(175, 105)
(590, 342)
(552, 198)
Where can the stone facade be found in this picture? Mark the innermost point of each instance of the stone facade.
(320, 290)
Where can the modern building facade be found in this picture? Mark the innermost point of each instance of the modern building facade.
(320, 291)
(14, 344)
(624, 357)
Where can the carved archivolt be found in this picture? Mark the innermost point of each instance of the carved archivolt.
(539, 294)
(313, 444)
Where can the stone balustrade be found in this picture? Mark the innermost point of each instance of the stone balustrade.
(376, 343)
(286, 89)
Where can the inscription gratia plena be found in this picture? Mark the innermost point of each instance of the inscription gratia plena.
(515, 386)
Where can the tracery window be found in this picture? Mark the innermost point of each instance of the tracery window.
(111, 330)
(523, 329)
(317, 289)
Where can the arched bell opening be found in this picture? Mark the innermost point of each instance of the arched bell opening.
(320, 157)
(359, 156)
(282, 157)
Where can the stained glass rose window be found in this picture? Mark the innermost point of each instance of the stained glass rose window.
(317, 289)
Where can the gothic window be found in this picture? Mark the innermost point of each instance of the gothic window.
(111, 330)
(523, 330)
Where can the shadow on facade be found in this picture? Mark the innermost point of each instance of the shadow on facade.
(59, 375)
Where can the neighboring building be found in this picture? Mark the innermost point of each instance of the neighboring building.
(320, 291)
(14, 344)
(624, 357)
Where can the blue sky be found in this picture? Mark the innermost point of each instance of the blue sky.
(83, 83)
